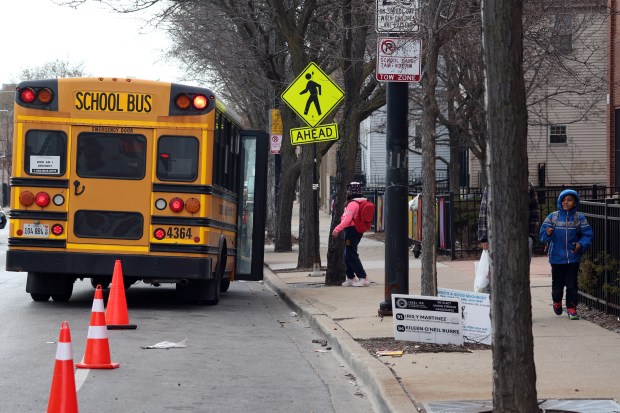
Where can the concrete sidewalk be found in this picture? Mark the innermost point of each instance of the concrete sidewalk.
(577, 362)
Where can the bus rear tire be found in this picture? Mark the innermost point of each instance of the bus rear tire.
(225, 285)
(65, 295)
(39, 297)
(43, 285)
(104, 282)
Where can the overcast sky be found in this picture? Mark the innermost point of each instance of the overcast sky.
(33, 32)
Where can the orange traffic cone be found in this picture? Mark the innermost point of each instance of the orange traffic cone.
(116, 315)
(97, 355)
(63, 396)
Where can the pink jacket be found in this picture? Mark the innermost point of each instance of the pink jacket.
(346, 220)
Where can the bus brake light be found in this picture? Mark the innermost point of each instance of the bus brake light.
(42, 199)
(159, 234)
(176, 204)
(57, 229)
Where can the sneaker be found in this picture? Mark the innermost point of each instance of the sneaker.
(557, 307)
(349, 282)
(572, 314)
(362, 282)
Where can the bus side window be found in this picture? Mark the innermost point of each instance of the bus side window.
(45, 153)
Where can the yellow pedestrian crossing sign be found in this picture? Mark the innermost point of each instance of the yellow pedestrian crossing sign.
(312, 95)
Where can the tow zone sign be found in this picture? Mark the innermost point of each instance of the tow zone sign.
(398, 59)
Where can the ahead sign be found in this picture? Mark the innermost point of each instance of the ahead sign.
(322, 133)
(398, 59)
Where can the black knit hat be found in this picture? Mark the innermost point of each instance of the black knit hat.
(355, 190)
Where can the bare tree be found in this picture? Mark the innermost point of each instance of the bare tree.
(52, 70)
(514, 373)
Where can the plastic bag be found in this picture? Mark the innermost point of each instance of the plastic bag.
(482, 282)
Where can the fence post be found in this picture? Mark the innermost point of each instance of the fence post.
(451, 225)
(605, 248)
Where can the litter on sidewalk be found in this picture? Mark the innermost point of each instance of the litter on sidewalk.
(393, 353)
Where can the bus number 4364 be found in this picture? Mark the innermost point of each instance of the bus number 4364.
(176, 232)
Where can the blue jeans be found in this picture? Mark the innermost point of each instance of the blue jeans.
(352, 263)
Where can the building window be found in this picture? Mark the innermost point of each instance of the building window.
(417, 137)
(557, 134)
(562, 35)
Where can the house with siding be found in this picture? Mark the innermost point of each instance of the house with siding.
(373, 151)
(567, 126)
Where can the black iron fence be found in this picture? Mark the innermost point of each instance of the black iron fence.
(599, 273)
(457, 233)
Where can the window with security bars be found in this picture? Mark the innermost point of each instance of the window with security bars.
(417, 137)
(557, 134)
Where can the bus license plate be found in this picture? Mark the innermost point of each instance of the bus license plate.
(36, 230)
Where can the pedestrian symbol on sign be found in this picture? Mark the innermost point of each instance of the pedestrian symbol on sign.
(315, 90)
(312, 95)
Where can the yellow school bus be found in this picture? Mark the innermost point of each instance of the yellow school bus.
(159, 175)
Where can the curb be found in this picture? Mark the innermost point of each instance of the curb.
(389, 395)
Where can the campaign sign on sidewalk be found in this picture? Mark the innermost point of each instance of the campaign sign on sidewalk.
(476, 312)
(427, 319)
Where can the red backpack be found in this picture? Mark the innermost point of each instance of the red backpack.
(365, 216)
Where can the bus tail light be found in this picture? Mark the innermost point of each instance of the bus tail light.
(200, 102)
(27, 95)
(187, 102)
(45, 95)
(192, 205)
(176, 204)
(183, 101)
(42, 199)
(159, 234)
(57, 229)
(26, 198)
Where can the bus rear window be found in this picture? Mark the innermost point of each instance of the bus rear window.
(46, 152)
(110, 155)
(177, 158)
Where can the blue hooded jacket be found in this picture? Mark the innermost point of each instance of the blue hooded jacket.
(566, 232)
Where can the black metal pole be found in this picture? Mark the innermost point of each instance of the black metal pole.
(396, 191)
(316, 270)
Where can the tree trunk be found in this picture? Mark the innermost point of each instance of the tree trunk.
(288, 180)
(454, 169)
(345, 160)
(514, 373)
(428, 122)
(270, 226)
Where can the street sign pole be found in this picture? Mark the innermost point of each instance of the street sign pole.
(398, 62)
(316, 268)
(396, 191)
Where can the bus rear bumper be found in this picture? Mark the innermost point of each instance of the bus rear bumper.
(84, 265)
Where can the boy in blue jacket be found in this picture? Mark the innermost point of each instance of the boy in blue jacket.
(568, 233)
